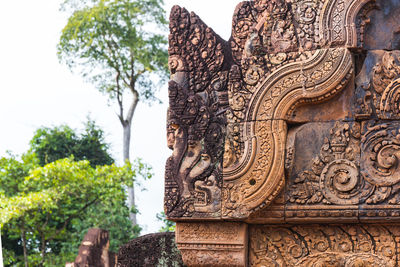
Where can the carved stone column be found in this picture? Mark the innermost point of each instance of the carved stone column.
(217, 244)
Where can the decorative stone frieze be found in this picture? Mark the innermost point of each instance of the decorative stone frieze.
(293, 120)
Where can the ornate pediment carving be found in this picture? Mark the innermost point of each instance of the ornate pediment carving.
(287, 135)
(230, 102)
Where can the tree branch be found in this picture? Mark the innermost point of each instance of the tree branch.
(133, 105)
(120, 98)
(58, 231)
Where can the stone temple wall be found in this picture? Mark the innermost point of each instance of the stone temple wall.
(286, 137)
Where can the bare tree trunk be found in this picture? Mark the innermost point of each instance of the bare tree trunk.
(1, 252)
(23, 237)
(126, 150)
(127, 125)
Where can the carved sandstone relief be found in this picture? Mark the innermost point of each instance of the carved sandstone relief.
(257, 176)
(230, 104)
(339, 171)
(319, 245)
(213, 244)
(378, 86)
(196, 119)
(334, 175)
(245, 90)
(293, 121)
(380, 159)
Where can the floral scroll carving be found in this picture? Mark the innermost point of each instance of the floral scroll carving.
(257, 177)
(230, 101)
(357, 167)
(334, 177)
(318, 245)
(286, 137)
(380, 159)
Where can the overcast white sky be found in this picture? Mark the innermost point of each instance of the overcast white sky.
(36, 90)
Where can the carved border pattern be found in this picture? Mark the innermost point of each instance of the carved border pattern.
(317, 245)
(222, 244)
(272, 64)
(258, 177)
(338, 21)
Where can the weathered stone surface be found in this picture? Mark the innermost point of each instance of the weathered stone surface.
(324, 163)
(294, 120)
(213, 244)
(378, 86)
(322, 245)
(337, 108)
(383, 28)
(153, 250)
(94, 250)
(199, 64)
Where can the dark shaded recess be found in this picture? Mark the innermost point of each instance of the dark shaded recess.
(383, 31)
(359, 57)
(150, 251)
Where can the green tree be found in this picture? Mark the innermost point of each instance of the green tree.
(168, 226)
(51, 144)
(47, 208)
(61, 198)
(120, 46)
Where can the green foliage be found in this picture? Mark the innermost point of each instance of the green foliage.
(51, 144)
(116, 44)
(121, 47)
(12, 173)
(53, 205)
(57, 203)
(169, 226)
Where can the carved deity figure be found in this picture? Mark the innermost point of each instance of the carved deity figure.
(294, 120)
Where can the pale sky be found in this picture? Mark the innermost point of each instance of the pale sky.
(36, 90)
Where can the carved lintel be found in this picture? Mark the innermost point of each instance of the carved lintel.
(217, 244)
(323, 245)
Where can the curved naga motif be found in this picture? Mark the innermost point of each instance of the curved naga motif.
(256, 179)
(230, 101)
(338, 22)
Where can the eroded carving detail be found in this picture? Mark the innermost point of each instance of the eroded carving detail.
(386, 83)
(380, 159)
(339, 22)
(257, 175)
(381, 95)
(213, 244)
(334, 177)
(231, 105)
(337, 176)
(317, 245)
(196, 123)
